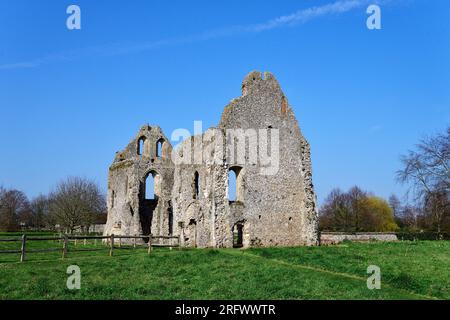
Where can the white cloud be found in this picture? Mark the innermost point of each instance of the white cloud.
(296, 18)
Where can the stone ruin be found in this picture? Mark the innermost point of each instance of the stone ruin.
(274, 202)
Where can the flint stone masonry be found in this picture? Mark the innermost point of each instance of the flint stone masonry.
(327, 238)
(275, 204)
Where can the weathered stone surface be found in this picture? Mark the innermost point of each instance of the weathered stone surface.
(129, 213)
(328, 238)
(275, 205)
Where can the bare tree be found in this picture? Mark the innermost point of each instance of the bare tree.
(14, 208)
(427, 170)
(2, 207)
(39, 211)
(395, 204)
(436, 209)
(409, 217)
(334, 213)
(2, 192)
(356, 195)
(76, 202)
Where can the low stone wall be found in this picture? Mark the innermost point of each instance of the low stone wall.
(97, 228)
(327, 238)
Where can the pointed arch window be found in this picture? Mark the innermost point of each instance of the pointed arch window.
(152, 186)
(235, 185)
(141, 146)
(159, 148)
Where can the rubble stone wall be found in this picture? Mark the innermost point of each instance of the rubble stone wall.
(275, 204)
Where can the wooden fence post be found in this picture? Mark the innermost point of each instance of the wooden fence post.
(134, 242)
(95, 242)
(179, 242)
(112, 246)
(149, 244)
(23, 249)
(84, 243)
(66, 240)
(120, 242)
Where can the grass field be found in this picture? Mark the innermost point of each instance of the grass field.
(409, 270)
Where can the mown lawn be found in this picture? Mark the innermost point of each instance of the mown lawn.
(409, 270)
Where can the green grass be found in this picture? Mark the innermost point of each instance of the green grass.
(409, 270)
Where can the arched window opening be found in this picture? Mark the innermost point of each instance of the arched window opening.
(232, 185)
(235, 185)
(159, 148)
(151, 184)
(196, 185)
(150, 187)
(141, 146)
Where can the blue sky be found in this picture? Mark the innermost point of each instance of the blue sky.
(70, 99)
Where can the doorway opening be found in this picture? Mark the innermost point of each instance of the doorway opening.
(238, 235)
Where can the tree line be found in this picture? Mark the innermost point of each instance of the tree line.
(356, 211)
(426, 170)
(75, 203)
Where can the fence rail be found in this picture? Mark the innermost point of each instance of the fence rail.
(112, 242)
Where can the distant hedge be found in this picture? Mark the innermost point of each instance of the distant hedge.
(423, 235)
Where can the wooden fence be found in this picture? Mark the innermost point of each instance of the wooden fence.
(112, 242)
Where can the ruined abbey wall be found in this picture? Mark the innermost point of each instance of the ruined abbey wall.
(129, 212)
(259, 139)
